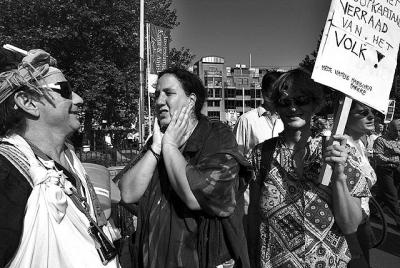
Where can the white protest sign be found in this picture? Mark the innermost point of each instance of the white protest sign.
(358, 50)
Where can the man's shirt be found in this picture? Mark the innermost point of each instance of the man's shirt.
(387, 152)
(256, 126)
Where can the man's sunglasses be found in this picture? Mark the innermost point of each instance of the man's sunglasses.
(62, 88)
(299, 101)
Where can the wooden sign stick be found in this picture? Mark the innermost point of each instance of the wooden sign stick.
(338, 128)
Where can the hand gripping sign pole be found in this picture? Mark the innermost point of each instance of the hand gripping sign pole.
(338, 128)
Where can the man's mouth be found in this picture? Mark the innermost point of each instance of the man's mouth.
(162, 112)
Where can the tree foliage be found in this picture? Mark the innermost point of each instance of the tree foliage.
(181, 58)
(96, 44)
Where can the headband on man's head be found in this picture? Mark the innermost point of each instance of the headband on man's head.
(35, 72)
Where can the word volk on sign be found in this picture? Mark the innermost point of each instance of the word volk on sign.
(358, 51)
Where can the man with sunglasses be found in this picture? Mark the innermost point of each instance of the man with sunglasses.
(387, 158)
(49, 214)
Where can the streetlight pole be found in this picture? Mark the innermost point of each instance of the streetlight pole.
(141, 89)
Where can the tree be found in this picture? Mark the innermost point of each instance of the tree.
(309, 61)
(180, 58)
(96, 44)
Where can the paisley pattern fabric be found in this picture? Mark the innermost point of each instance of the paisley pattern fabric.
(360, 174)
(297, 226)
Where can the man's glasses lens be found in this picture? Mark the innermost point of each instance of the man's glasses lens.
(64, 90)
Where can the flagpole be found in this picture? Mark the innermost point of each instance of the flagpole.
(147, 75)
(141, 77)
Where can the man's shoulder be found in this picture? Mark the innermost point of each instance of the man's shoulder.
(9, 171)
(253, 112)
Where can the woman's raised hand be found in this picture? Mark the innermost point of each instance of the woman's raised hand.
(176, 133)
(336, 155)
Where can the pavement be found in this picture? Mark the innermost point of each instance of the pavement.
(386, 255)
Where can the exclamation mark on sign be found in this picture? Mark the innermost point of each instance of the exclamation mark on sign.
(380, 57)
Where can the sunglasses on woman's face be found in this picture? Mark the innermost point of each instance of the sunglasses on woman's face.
(62, 88)
(364, 112)
(298, 101)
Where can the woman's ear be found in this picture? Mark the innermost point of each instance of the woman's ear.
(26, 103)
(193, 98)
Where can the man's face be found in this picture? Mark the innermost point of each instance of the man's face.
(267, 102)
(395, 128)
(170, 97)
(62, 114)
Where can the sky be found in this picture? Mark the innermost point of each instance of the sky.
(275, 32)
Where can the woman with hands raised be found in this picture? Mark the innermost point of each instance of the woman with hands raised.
(188, 184)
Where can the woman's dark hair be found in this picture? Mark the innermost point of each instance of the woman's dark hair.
(300, 79)
(191, 83)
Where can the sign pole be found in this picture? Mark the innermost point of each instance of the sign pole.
(338, 128)
(147, 75)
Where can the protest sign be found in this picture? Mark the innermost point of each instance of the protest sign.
(358, 50)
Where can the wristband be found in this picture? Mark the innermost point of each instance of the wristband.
(156, 155)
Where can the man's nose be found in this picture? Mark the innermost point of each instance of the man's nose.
(76, 99)
(160, 99)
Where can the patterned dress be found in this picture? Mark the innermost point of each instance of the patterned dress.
(297, 224)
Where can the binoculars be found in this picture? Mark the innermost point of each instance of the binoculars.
(104, 246)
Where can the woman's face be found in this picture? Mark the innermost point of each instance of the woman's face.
(360, 120)
(296, 109)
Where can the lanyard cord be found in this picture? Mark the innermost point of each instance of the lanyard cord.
(78, 198)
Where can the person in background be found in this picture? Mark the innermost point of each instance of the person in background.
(259, 124)
(188, 184)
(295, 221)
(360, 122)
(49, 213)
(387, 160)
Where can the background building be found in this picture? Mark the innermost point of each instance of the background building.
(232, 91)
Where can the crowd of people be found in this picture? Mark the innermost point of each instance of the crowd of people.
(205, 196)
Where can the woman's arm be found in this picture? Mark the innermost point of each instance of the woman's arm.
(135, 181)
(346, 208)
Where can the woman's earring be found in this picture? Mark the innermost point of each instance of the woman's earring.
(15, 107)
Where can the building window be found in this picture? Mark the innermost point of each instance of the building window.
(213, 115)
(245, 81)
(230, 93)
(247, 92)
(230, 104)
(239, 92)
(258, 93)
(218, 93)
(216, 103)
(210, 103)
(210, 93)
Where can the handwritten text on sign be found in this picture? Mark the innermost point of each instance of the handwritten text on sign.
(358, 51)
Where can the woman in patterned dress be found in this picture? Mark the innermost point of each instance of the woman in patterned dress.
(359, 123)
(298, 222)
